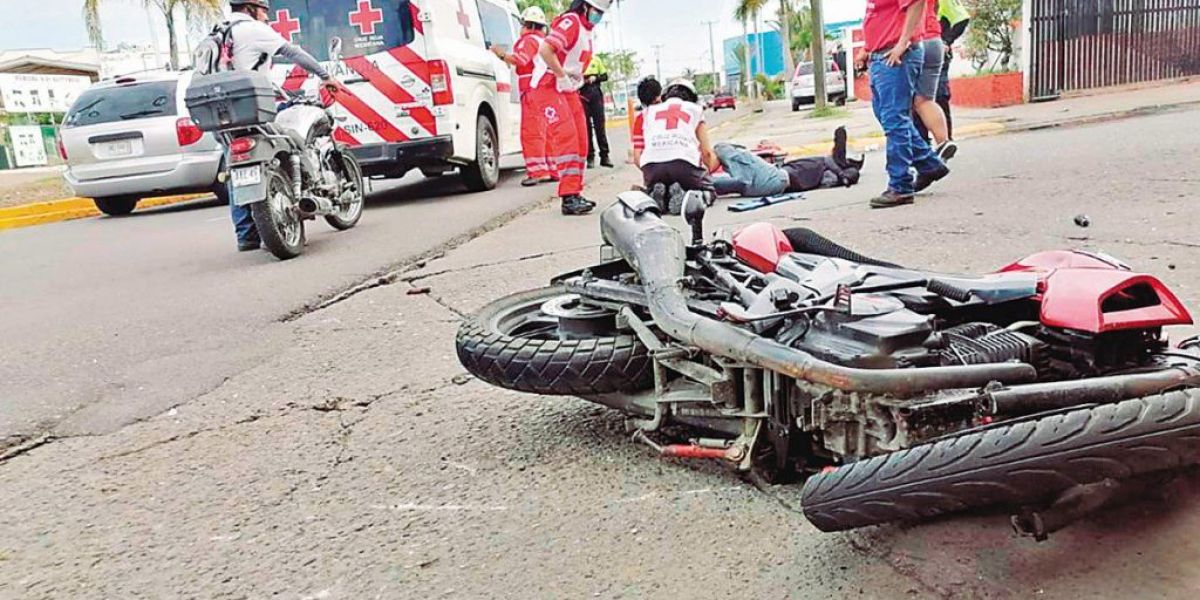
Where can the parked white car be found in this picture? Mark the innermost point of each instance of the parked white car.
(130, 138)
(804, 84)
(424, 91)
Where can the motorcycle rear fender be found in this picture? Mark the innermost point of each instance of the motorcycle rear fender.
(263, 154)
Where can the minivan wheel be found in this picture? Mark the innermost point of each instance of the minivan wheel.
(484, 173)
(116, 207)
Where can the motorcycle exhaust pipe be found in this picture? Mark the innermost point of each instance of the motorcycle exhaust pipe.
(1041, 397)
(313, 206)
(656, 250)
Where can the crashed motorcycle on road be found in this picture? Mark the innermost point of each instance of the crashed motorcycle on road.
(1047, 387)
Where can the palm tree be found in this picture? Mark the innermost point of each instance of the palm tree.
(194, 10)
(750, 10)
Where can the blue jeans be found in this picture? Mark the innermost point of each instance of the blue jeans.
(749, 175)
(243, 220)
(892, 92)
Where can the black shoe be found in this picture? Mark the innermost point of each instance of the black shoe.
(839, 147)
(659, 194)
(529, 182)
(890, 199)
(591, 163)
(576, 205)
(924, 180)
(249, 246)
(947, 150)
(675, 199)
(606, 162)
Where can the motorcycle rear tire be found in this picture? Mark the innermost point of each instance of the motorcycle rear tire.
(601, 365)
(1025, 463)
(349, 218)
(283, 244)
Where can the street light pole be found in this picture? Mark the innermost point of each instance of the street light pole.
(658, 60)
(713, 48)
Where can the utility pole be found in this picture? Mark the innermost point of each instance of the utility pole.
(821, 100)
(658, 60)
(713, 48)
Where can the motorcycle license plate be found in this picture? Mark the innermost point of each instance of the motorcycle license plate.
(247, 176)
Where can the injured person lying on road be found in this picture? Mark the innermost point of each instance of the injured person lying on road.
(749, 175)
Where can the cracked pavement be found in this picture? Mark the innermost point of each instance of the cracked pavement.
(357, 460)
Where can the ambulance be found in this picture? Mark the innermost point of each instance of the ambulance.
(424, 91)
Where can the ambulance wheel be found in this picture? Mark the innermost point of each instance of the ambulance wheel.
(484, 173)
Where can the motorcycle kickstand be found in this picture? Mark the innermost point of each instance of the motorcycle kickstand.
(1071, 505)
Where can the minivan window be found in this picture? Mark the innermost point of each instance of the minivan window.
(497, 30)
(354, 27)
(123, 103)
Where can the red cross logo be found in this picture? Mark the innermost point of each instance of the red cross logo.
(366, 17)
(673, 116)
(464, 19)
(285, 24)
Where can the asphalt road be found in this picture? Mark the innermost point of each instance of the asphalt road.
(356, 461)
(110, 320)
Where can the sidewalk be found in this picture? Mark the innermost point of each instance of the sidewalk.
(803, 136)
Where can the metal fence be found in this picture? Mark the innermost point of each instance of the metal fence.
(1083, 44)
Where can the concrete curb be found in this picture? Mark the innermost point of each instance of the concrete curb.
(975, 130)
(41, 213)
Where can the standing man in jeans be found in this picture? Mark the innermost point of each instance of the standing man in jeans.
(895, 63)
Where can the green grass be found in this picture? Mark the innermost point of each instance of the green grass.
(828, 112)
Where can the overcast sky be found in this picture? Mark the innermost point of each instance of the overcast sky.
(676, 24)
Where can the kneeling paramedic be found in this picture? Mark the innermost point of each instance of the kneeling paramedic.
(250, 44)
(671, 145)
(564, 56)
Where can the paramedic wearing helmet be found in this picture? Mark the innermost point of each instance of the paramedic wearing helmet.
(534, 127)
(255, 44)
(562, 60)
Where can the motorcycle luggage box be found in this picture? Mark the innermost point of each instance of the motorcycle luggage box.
(231, 99)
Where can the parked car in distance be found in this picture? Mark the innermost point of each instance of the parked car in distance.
(804, 84)
(724, 100)
(131, 137)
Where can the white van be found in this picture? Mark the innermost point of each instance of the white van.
(425, 93)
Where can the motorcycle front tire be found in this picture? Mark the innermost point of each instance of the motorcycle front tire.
(349, 216)
(279, 225)
(1020, 464)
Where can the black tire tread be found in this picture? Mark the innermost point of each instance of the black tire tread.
(552, 367)
(1023, 463)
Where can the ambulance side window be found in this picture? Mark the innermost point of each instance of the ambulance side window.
(497, 29)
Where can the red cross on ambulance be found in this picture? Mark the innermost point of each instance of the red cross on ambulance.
(366, 17)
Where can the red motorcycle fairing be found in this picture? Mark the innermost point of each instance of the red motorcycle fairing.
(762, 246)
(1096, 294)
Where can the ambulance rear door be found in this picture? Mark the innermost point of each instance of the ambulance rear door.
(502, 28)
(378, 49)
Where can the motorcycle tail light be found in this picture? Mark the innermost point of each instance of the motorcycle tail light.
(242, 145)
(62, 149)
(187, 132)
(439, 82)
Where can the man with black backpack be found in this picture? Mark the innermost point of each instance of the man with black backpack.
(247, 43)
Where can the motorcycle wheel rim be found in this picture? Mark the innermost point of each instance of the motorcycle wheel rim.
(350, 212)
(283, 212)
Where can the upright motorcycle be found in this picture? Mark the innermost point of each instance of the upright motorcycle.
(283, 160)
(1047, 387)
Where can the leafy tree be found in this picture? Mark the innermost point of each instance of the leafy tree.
(746, 11)
(992, 32)
(772, 88)
(552, 7)
(194, 10)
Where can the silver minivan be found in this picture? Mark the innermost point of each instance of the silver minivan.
(131, 137)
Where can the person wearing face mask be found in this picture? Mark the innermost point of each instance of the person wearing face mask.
(563, 58)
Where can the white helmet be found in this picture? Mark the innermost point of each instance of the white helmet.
(603, 5)
(685, 83)
(535, 15)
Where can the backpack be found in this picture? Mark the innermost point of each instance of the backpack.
(215, 52)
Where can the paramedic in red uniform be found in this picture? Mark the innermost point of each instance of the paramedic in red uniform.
(534, 130)
(564, 56)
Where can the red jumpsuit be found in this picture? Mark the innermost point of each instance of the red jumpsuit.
(534, 129)
(571, 38)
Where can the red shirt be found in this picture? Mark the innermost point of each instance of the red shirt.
(932, 25)
(524, 52)
(884, 23)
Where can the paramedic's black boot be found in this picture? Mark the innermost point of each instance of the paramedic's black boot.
(606, 162)
(576, 205)
(675, 199)
(659, 194)
(529, 182)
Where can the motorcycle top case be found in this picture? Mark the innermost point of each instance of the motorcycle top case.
(231, 99)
